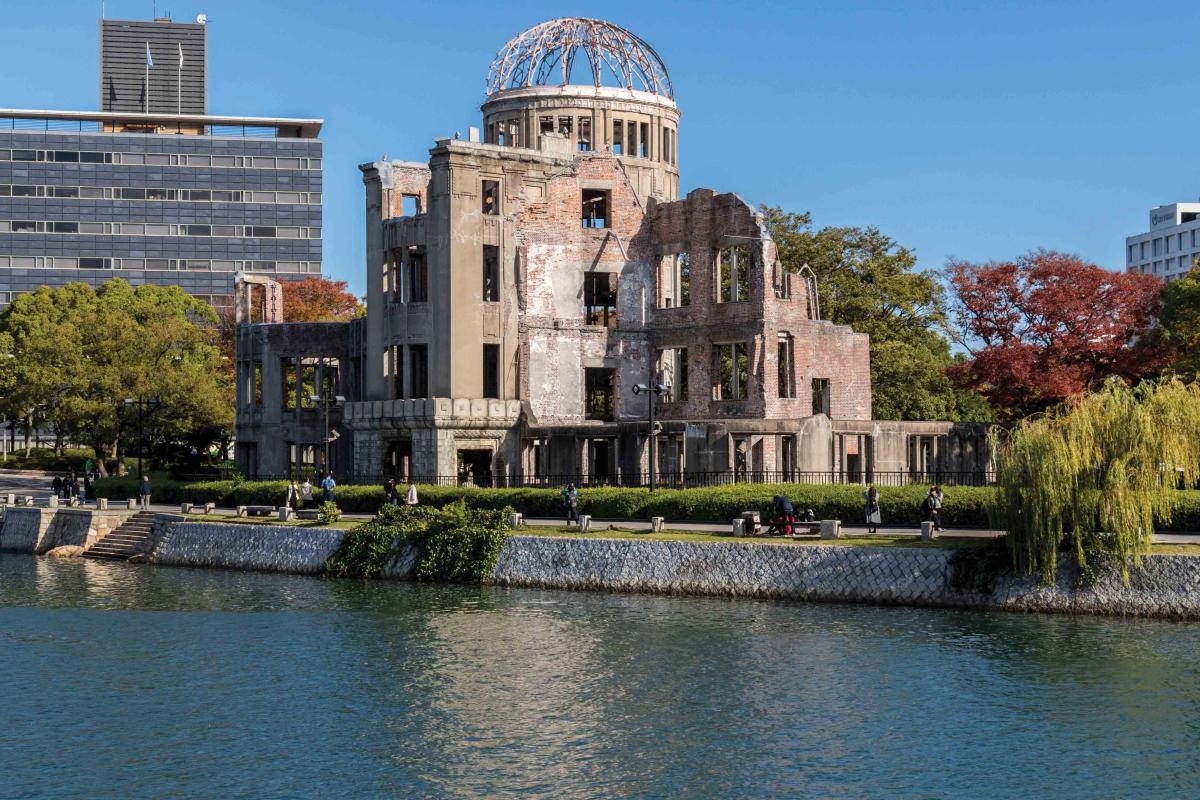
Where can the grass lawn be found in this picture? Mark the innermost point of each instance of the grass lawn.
(342, 524)
(704, 536)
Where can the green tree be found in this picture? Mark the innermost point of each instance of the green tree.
(78, 353)
(1179, 323)
(869, 282)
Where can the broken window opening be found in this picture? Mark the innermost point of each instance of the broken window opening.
(545, 125)
(491, 273)
(410, 205)
(491, 133)
(394, 272)
(820, 396)
(594, 209)
(598, 393)
(491, 371)
(397, 372)
(600, 299)
(491, 197)
(585, 134)
(418, 277)
(672, 371)
(287, 370)
(514, 134)
(644, 141)
(418, 366)
(733, 371)
(256, 384)
(565, 126)
(733, 274)
(787, 371)
(675, 280)
(631, 137)
(618, 142)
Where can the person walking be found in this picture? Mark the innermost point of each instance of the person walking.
(292, 500)
(872, 510)
(306, 490)
(145, 491)
(932, 508)
(389, 492)
(571, 503)
(410, 498)
(329, 484)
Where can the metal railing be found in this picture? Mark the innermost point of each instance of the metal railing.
(674, 480)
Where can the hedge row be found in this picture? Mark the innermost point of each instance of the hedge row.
(965, 507)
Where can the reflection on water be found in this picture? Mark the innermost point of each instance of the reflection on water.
(136, 681)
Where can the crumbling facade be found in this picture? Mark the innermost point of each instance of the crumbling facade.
(525, 280)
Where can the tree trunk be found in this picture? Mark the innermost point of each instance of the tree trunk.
(28, 436)
(58, 441)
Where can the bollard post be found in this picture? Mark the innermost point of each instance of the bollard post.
(831, 529)
(52, 502)
(738, 525)
(102, 504)
(928, 533)
(285, 513)
(131, 504)
(656, 524)
(515, 520)
(585, 523)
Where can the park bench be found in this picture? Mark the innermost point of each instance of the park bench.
(255, 511)
(308, 513)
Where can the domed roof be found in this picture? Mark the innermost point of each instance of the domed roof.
(545, 55)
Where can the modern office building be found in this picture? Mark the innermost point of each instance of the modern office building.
(172, 55)
(186, 199)
(1172, 245)
(527, 285)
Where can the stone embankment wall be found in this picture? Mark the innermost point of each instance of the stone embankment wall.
(1164, 586)
(26, 529)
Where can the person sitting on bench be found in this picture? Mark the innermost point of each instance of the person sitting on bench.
(785, 518)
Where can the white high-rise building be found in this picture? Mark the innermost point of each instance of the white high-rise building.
(1172, 245)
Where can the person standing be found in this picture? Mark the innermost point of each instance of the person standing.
(389, 492)
(571, 503)
(329, 484)
(932, 508)
(145, 491)
(306, 490)
(293, 496)
(874, 517)
(85, 490)
(411, 497)
(56, 486)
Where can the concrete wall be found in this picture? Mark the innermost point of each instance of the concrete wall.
(38, 530)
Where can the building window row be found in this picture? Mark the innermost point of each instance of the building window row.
(408, 276)
(160, 229)
(410, 364)
(178, 195)
(156, 264)
(160, 159)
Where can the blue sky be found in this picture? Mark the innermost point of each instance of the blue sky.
(968, 129)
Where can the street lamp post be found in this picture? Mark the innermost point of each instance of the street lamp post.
(143, 406)
(328, 400)
(651, 434)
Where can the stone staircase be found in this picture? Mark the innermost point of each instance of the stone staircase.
(129, 539)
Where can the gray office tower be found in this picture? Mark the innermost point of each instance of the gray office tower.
(161, 197)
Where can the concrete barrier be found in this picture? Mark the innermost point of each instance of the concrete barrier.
(185, 508)
(831, 529)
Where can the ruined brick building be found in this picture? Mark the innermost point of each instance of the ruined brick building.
(525, 279)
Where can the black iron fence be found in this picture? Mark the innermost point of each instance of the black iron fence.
(675, 480)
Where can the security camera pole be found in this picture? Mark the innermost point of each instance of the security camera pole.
(651, 434)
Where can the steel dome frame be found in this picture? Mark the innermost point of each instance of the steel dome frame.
(532, 57)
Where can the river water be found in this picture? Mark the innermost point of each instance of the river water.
(135, 681)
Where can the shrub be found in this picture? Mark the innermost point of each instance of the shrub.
(455, 543)
(328, 513)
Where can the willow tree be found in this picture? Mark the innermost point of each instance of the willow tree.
(1096, 473)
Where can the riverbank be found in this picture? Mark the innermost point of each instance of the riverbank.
(889, 574)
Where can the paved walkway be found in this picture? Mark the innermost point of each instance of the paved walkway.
(38, 485)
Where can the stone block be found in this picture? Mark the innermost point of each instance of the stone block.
(27, 500)
(738, 526)
(284, 513)
(515, 520)
(102, 504)
(185, 508)
(10, 499)
(831, 529)
(928, 533)
(210, 508)
(52, 502)
(479, 409)
(241, 511)
(131, 504)
(585, 523)
(656, 524)
(462, 407)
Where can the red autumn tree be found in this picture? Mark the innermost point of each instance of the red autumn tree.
(1048, 326)
(318, 300)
